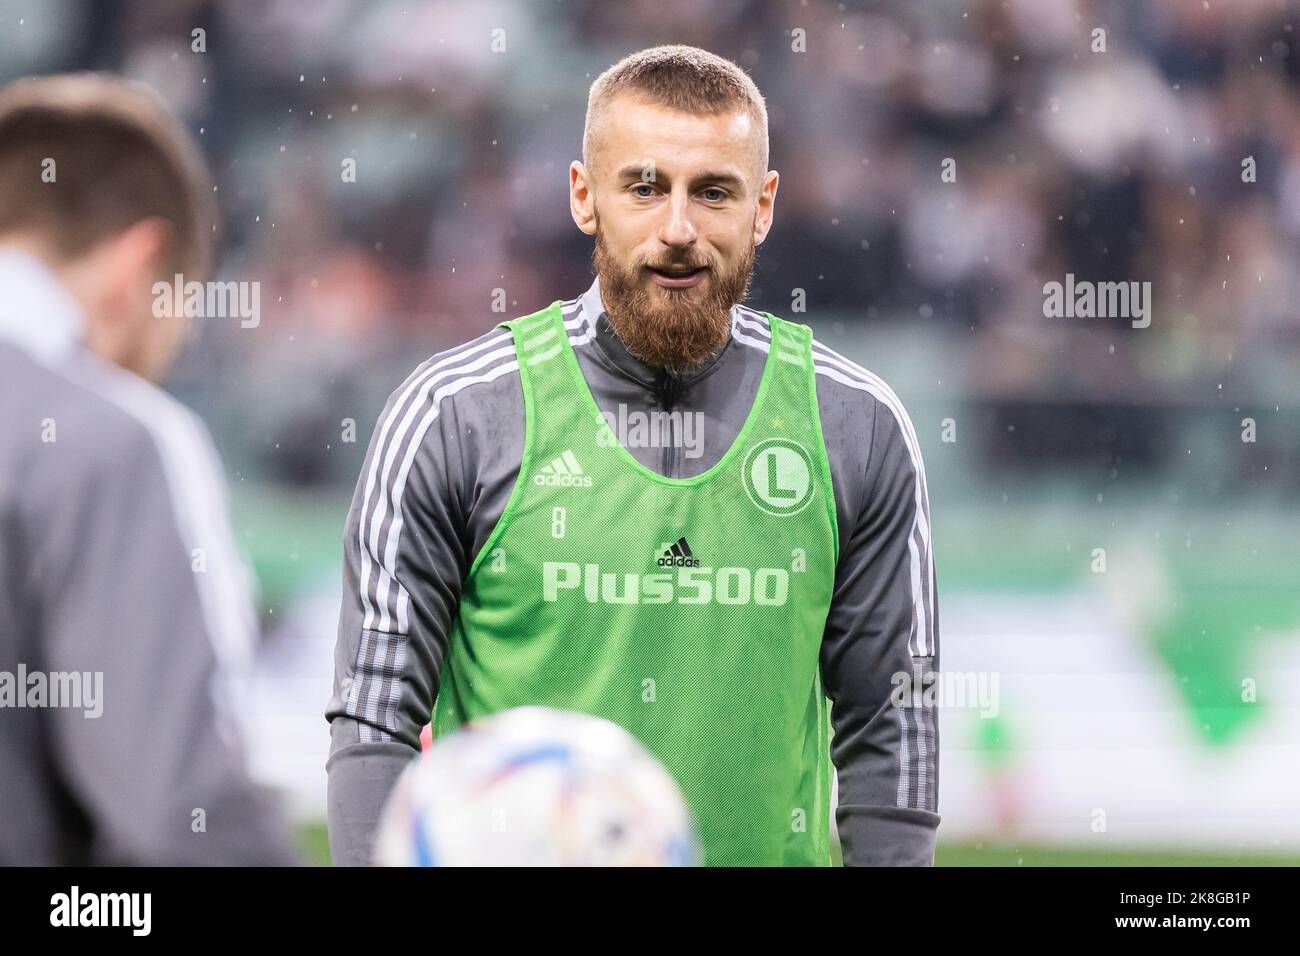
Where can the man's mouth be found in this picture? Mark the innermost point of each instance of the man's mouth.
(677, 277)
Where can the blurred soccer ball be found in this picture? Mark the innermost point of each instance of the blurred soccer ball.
(536, 787)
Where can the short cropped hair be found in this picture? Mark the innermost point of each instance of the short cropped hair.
(681, 77)
(119, 156)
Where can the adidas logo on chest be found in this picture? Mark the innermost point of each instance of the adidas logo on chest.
(563, 472)
(678, 555)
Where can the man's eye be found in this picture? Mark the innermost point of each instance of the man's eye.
(645, 195)
(718, 196)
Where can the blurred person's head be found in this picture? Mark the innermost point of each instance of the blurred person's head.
(675, 187)
(100, 181)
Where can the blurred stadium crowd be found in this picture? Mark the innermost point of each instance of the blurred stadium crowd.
(1122, 165)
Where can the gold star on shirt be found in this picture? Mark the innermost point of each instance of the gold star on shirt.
(778, 422)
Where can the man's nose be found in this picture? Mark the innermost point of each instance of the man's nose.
(678, 230)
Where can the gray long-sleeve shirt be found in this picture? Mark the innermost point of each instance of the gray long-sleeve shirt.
(443, 460)
(125, 619)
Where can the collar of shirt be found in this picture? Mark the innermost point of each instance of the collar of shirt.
(616, 356)
(37, 313)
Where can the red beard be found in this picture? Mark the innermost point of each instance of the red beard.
(670, 328)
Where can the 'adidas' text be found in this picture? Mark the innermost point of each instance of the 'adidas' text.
(563, 472)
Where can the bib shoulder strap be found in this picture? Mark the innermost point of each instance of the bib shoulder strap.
(539, 335)
(532, 320)
(791, 341)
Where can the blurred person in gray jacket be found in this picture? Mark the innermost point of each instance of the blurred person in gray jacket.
(125, 613)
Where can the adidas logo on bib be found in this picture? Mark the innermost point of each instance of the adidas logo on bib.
(563, 472)
(678, 555)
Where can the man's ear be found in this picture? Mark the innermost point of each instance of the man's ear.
(766, 206)
(582, 198)
(118, 271)
(146, 245)
(136, 256)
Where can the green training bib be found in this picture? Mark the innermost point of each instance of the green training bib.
(688, 610)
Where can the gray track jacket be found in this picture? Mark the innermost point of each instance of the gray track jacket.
(124, 611)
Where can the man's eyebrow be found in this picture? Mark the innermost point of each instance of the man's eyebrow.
(633, 171)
